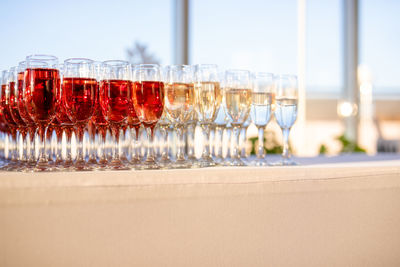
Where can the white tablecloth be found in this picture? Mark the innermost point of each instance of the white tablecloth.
(342, 211)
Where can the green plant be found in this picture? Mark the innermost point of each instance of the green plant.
(349, 146)
(271, 145)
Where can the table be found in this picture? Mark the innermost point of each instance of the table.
(341, 211)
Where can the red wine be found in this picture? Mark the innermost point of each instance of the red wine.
(13, 103)
(115, 99)
(133, 120)
(5, 107)
(41, 86)
(23, 112)
(79, 95)
(98, 116)
(149, 102)
(61, 114)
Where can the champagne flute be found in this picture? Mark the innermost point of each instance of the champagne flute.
(179, 104)
(42, 81)
(12, 126)
(115, 98)
(286, 111)
(207, 94)
(23, 112)
(12, 98)
(99, 120)
(148, 99)
(79, 95)
(238, 102)
(261, 109)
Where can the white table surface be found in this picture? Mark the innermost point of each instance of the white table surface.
(340, 211)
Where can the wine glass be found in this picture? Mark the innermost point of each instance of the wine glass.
(23, 112)
(41, 81)
(100, 121)
(115, 98)
(286, 111)
(238, 102)
(179, 104)
(207, 92)
(12, 126)
(148, 99)
(261, 109)
(14, 82)
(79, 95)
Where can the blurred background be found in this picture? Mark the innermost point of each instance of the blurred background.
(345, 53)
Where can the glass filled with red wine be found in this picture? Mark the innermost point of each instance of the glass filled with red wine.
(23, 113)
(148, 99)
(99, 121)
(115, 99)
(22, 128)
(7, 117)
(41, 82)
(79, 87)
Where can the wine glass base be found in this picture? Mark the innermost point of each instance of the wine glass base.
(149, 165)
(206, 162)
(236, 162)
(117, 165)
(193, 162)
(165, 163)
(181, 164)
(259, 162)
(81, 165)
(285, 162)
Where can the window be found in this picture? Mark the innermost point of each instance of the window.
(259, 35)
(380, 43)
(324, 54)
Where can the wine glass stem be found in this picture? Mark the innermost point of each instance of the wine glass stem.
(150, 145)
(79, 133)
(236, 136)
(181, 149)
(285, 133)
(31, 144)
(206, 138)
(42, 143)
(59, 148)
(68, 156)
(243, 139)
(190, 137)
(260, 151)
(116, 133)
(218, 141)
(164, 145)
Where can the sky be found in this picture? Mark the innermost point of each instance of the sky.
(259, 35)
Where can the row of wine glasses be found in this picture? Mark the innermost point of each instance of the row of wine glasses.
(41, 96)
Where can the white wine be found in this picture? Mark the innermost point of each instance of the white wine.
(286, 112)
(206, 100)
(238, 103)
(261, 108)
(179, 101)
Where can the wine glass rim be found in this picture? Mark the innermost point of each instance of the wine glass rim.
(263, 74)
(285, 76)
(41, 57)
(78, 60)
(145, 66)
(116, 63)
(237, 71)
(206, 65)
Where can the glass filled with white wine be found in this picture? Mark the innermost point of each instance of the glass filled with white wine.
(238, 97)
(179, 104)
(286, 100)
(207, 95)
(263, 97)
